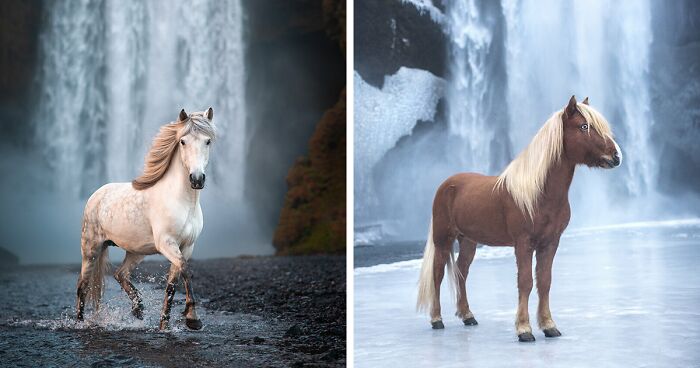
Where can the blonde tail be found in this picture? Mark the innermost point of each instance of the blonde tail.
(426, 283)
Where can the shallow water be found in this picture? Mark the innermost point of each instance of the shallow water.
(625, 296)
(37, 327)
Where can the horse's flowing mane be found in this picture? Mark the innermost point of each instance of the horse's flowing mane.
(165, 145)
(525, 176)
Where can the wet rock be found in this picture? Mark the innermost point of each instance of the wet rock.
(391, 34)
(293, 331)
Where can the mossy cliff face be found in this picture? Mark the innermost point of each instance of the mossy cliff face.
(313, 217)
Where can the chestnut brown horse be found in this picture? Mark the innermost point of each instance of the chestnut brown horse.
(526, 207)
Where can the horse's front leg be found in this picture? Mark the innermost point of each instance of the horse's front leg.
(191, 319)
(545, 258)
(173, 276)
(523, 257)
(171, 250)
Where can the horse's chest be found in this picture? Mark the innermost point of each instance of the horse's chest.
(180, 222)
(549, 228)
(188, 227)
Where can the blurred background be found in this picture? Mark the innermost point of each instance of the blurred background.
(86, 84)
(443, 87)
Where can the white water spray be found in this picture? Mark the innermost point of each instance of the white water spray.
(111, 73)
(468, 84)
(594, 48)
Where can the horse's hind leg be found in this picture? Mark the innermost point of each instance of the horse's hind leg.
(81, 292)
(443, 252)
(467, 249)
(123, 277)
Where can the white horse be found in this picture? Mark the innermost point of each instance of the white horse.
(158, 212)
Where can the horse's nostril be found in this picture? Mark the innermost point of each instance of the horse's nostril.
(203, 177)
(191, 178)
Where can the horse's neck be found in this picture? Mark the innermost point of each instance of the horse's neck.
(558, 182)
(176, 185)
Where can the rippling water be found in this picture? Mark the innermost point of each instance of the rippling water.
(37, 327)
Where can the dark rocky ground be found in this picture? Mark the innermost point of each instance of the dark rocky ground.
(308, 293)
(257, 312)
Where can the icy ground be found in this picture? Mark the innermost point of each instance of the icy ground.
(622, 296)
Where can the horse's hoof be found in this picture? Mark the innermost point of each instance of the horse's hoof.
(551, 332)
(437, 325)
(526, 337)
(193, 324)
(471, 321)
(163, 325)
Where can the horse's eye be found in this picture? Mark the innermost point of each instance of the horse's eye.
(584, 127)
(182, 142)
(208, 141)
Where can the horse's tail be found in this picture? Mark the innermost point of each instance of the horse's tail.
(426, 283)
(96, 277)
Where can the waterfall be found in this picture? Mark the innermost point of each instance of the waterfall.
(112, 72)
(468, 83)
(598, 49)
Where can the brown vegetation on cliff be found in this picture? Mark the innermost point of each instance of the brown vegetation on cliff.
(313, 217)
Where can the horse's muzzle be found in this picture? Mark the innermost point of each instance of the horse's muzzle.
(197, 181)
(613, 161)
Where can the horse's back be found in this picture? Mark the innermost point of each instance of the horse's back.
(472, 206)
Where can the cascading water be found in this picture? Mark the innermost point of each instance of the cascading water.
(468, 84)
(510, 66)
(111, 73)
(598, 49)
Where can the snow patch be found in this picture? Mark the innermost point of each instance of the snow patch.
(383, 116)
(426, 6)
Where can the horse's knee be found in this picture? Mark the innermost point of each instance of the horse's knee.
(525, 287)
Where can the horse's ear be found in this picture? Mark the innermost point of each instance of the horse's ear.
(571, 107)
(210, 113)
(183, 115)
(585, 101)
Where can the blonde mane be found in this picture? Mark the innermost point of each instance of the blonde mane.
(165, 145)
(525, 176)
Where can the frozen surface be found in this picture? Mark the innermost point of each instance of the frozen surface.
(623, 296)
